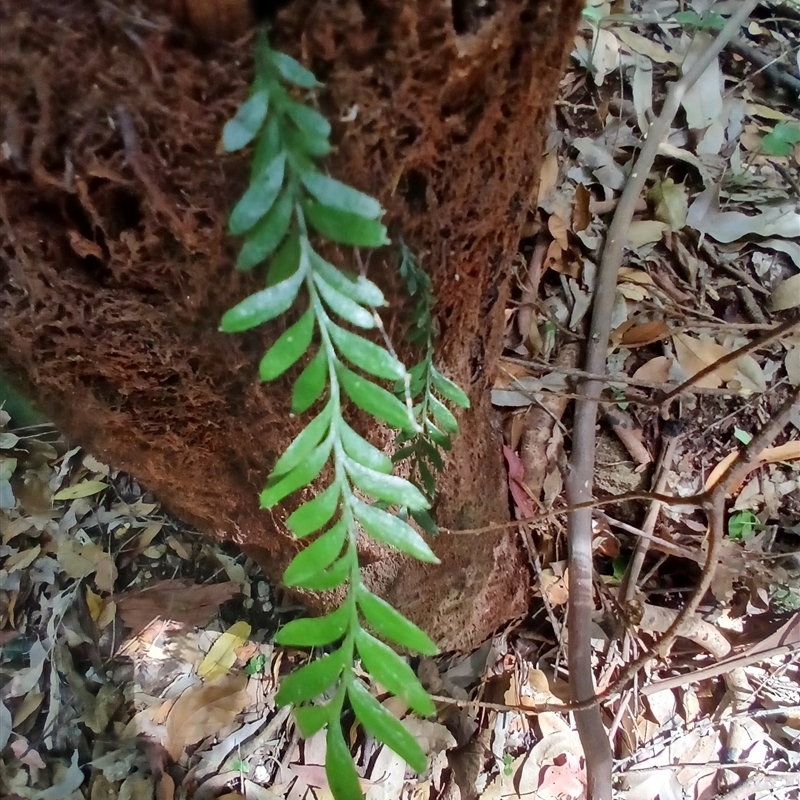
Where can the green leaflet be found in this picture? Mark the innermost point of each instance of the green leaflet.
(339, 767)
(258, 198)
(288, 348)
(299, 477)
(366, 355)
(389, 488)
(343, 227)
(242, 129)
(390, 530)
(267, 234)
(359, 289)
(267, 147)
(293, 71)
(390, 670)
(309, 386)
(385, 727)
(330, 578)
(285, 262)
(263, 306)
(316, 513)
(391, 624)
(315, 558)
(315, 631)
(359, 449)
(374, 399)
(443, 416)
(310, 680)
(307, 119)
(311, 719)
(304, 443)
(449, 390)
(335, 194)
(343, 306)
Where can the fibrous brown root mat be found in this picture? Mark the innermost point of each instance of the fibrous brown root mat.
(115, 266)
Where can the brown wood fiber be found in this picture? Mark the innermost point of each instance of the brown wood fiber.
(115, 267)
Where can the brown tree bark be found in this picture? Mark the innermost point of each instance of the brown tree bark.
(115, 267)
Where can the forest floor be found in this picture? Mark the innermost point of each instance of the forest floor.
(136, 659)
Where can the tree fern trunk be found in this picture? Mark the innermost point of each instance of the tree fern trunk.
(116, 267)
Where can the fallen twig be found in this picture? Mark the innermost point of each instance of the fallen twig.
(594, 737)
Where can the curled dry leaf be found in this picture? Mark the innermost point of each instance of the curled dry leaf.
(790, 451)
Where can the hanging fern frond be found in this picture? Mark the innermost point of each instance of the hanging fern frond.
(428, 388)
(289, 204)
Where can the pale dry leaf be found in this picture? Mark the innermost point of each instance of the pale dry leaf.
(643, 91)
(644, 231)
(786, 294)
(222, 655)
(548, 178)
(67, 780)
(730, 226)
(83, 489)
(702, 101)
(30, 705)
(605, 54)
(791, 363)
(22, 560)
(647, 47)
(695, 354)
(790, 451)
(204, 710)
(656, 370)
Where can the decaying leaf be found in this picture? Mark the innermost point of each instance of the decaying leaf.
(203, 711)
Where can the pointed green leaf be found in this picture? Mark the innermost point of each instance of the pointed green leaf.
(310, 144)
(267, 234)
(374, 399)
(316, 513)
(308, 387)
(315, 631)
(302, 475)
(391, 624)
(285, 262)
(263, 306)
(311, 680)
(389, 488)
(304, 443)
(330, 578)
(385, 727)
(431, 452)
(340, 226)
(449, 390)
(428, 481)
(311, 719)
(443, 416)
(390, 530)
(242, 129)
(318, 556)
(335, 194)
(258, 198)
(267, 147)
(293, 71)
(359, 449)
(366, 355)
(343, 306)
(339, 767)
(288, 348)
(440, 439)
(386, 667)
(426, 522)
(362, 291)
(307, 119)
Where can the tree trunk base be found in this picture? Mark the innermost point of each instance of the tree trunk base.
(116, 267)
